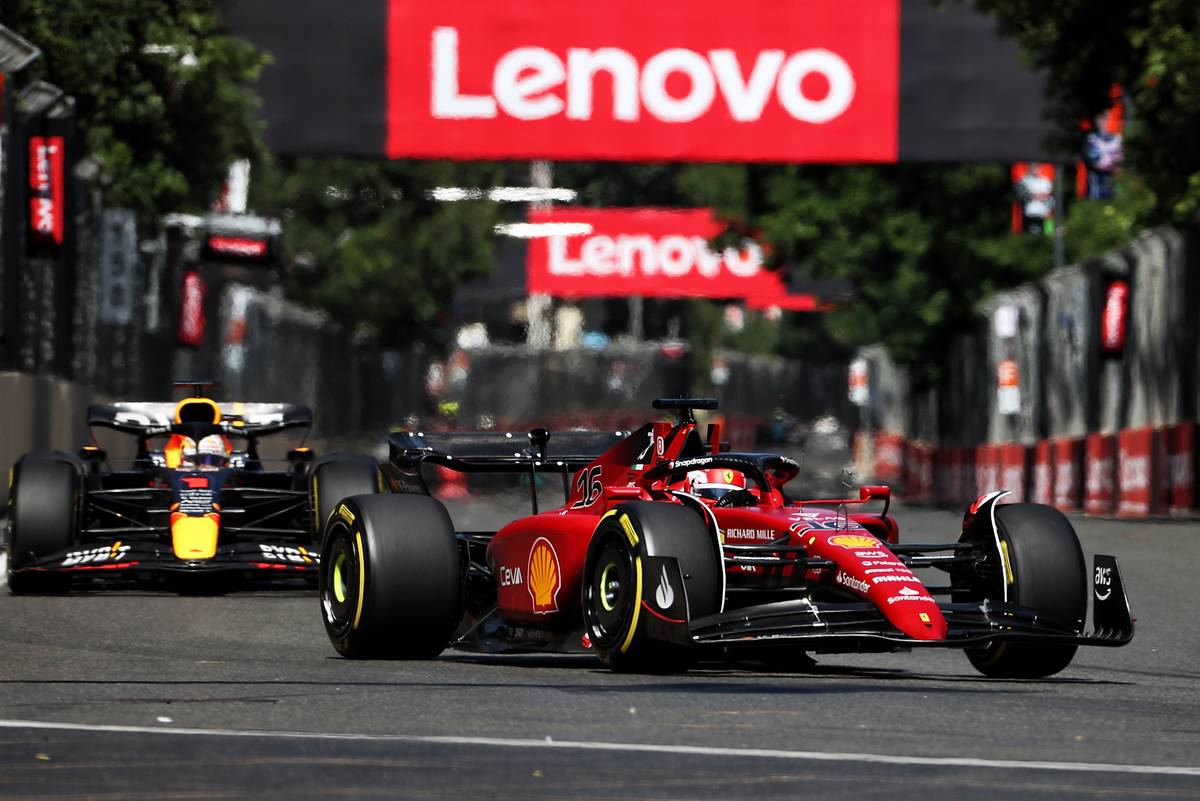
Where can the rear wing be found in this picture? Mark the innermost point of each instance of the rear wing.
(500, 451)
(154, 418)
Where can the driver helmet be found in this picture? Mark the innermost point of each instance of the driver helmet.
(714, 483)
(210, 452)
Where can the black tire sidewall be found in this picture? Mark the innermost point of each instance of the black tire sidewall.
(338, 478)
(1049, 577)
(662, 530)
(406, 550)
(44, 508)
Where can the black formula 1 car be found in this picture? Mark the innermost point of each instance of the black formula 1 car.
(669, 548)
(196, 502)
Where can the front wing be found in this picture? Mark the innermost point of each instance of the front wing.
(134, 559)
(852, 627)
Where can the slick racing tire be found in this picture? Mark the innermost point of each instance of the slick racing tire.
(339, 477)
(615, 578)
(390, 579)
(44, 509)
(1049, 576)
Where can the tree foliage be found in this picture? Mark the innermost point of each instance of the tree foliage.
(1150, 48)
(162, 95)
(365, 242)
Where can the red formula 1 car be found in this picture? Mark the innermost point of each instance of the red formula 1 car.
(669, 548)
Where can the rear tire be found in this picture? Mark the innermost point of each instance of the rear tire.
(338, 478)
(44, 511)
(1050, 577)
(611, 603)
(390, 579)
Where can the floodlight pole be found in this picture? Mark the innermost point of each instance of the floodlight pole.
(538, 332)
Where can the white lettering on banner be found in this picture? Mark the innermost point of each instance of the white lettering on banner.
(524, 78)
(582, 66)
(1064, 483)
(1135, 473)
(446, 102)
(887, 454)
(671, 257)
(1179, 469)
(1099, 475)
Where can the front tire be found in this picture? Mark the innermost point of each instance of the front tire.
(44, 521)
(614, 577)
(390, 579)
(1049, 576)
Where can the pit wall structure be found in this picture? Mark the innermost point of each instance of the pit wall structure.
(1101, 416)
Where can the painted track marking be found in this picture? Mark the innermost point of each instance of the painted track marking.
(644, 748)
(3, 568)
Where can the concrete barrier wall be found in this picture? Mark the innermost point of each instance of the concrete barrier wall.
(1105, 430)
(40, 414)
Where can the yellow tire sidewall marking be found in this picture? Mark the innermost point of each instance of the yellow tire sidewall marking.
(630, 534)
(637, 604)
(362, 578)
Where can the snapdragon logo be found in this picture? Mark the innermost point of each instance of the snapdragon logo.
(525, 81)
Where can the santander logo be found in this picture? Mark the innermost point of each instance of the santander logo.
(535, 83)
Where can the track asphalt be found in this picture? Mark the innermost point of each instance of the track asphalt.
(147, 695)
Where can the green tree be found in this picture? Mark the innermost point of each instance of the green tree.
(922, 245)
(364, 241)
(162, 95)
(1151, 48)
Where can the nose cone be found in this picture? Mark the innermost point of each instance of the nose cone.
(914, 612)
(868, 568)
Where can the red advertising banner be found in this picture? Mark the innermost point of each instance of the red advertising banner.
(238, 248)
(962, 479)
(1043, 473)
(1179, 463)
(627, 80)
(918, 472)
(1112, 320)
(987, 469)
(1099, 461)
(1136, 471)
(649, 252)
(1068, 457)
(191, 310)
(1012, 472)
(46, 190)
(889, 457)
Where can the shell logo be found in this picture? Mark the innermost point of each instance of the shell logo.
(854, 541)
(544, 576)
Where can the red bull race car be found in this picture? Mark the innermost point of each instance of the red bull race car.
(668, 549)
(196, 502)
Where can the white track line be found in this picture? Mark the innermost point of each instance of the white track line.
(643, 748)
(3, 568)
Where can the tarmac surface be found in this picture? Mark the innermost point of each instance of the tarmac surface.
(147, 695)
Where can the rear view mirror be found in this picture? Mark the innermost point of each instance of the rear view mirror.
(875, 492)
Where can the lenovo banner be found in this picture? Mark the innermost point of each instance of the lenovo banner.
(652, 253)
(46, 190)
(626, 80)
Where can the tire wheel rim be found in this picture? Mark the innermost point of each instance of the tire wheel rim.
(339, 588)
(610, 593)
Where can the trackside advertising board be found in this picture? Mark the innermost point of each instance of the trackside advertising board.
(758, 80)
(653, 253)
